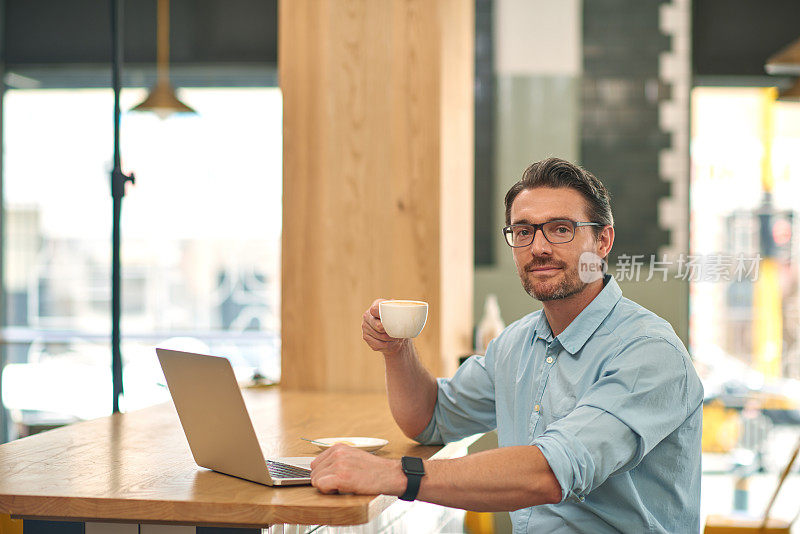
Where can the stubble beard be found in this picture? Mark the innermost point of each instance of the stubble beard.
(570, 283)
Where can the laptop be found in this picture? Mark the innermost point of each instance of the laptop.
(216, 423)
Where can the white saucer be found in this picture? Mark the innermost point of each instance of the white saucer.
(365, 444)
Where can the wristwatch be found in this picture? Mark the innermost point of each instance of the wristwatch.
(414, 470)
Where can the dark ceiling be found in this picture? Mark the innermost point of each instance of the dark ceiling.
(729, 37)
(39, 32)
(735, 37)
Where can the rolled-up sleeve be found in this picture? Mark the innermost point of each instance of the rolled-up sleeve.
(465, 404)
(642, 395)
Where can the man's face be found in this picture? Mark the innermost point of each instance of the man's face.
(548, 271)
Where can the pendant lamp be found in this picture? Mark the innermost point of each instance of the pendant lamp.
(162, 100)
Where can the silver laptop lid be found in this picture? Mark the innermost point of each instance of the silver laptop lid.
(213, 414)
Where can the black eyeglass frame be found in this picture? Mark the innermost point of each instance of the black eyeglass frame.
(507, 230)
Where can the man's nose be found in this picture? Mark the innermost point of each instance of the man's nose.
(540, 244)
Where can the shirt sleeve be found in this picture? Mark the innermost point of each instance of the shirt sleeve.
(643, 394)
(465, 404)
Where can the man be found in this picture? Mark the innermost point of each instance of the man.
(596, 403)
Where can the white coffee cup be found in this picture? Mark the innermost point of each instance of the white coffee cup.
(403, 318)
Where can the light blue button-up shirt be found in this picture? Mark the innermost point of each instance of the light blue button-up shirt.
(613, 403)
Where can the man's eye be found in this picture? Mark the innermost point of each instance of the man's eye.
(523, 232)
(562, 229)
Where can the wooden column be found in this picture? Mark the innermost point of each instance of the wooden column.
(378, 181)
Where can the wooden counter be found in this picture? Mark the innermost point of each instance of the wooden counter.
(137, 467)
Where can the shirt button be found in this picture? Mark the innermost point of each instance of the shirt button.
(549, 359)
(536, 408)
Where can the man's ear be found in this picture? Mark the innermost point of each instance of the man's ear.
(606, 239)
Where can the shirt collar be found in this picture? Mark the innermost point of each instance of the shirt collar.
(575, 336)
(542, 329)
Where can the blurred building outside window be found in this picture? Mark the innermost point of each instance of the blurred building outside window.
(745, 330)
(200, 242)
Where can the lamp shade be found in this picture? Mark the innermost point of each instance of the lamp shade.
(786, 61)
(162, 101)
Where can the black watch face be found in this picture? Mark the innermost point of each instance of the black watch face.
(412, 465)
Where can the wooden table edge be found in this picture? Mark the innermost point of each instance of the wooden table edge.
(92, 509)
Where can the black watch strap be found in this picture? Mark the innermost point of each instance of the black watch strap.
(414, 470)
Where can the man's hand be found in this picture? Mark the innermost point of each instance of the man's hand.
(374, 334)
(346, 469)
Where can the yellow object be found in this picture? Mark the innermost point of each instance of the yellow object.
(767, 307)
(717, 524)
(479, 523)
(772, 401)
(10, 526)
(767, 132)
(768, 323)
(721, 428)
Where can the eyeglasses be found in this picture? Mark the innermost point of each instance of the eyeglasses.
(557, 232)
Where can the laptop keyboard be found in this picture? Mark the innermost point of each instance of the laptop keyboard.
(281, 470)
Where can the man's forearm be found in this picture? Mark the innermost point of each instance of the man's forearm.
(411, 390)
(504, 479)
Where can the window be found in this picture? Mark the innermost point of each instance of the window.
(745, 192)
(200, 241)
